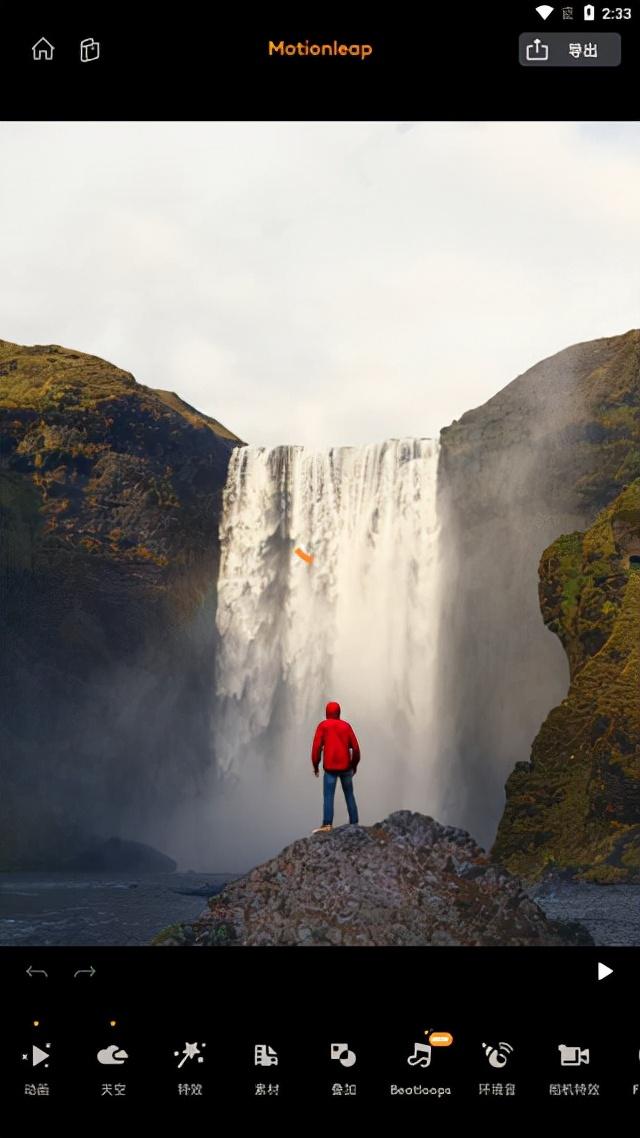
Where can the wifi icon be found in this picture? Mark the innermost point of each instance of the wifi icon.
(545, 11)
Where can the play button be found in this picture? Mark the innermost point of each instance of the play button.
(603, 970)
(38, 1055)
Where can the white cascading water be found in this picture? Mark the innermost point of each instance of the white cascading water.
(358, 625)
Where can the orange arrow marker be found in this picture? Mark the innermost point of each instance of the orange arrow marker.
(308, 557)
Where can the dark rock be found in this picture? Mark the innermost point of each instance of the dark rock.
(577, 808)
(110, 497)
(539, 459)
(405, 881)
(201, 891)
(119, 856)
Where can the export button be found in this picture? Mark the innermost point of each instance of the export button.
(564, 49)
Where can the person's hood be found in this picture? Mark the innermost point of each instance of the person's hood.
(333, 710)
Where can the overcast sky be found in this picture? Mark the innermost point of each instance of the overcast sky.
(317, 283)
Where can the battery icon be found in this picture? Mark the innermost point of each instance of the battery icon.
(589, 12)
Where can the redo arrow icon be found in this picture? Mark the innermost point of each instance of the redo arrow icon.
(604, 970)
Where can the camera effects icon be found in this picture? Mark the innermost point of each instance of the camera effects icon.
(573, 1056)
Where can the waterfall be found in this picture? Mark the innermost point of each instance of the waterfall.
(359, 624)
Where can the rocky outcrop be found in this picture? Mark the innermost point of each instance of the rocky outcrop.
(109, 506)
(405, 881)
(541, 458)
(575, 808)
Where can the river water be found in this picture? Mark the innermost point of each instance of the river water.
(94, 909)
(100, 909)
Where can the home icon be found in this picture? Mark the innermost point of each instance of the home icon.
(43, 49)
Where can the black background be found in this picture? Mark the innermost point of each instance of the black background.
(452, 62)
(185, 64)
(299, 1001)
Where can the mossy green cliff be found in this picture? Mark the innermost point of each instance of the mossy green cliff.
(543, 457)
(575, 807)
(109, 506)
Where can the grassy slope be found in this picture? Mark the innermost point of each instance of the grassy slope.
(47, 377)
(577, 806)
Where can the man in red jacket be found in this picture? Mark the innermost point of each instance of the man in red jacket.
(335, 742)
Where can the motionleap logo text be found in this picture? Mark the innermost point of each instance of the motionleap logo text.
(334, 48)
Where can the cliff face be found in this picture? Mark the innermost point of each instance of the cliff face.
(541, 458)
(109, 505)
(576, 807)
(405, 881)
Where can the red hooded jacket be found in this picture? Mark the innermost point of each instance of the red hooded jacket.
(335, 741)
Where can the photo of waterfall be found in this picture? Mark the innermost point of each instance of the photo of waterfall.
(295, 414)
(359, 624)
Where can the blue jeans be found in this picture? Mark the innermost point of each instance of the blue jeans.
(329, 788)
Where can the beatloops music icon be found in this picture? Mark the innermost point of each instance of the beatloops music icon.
(421, 1055)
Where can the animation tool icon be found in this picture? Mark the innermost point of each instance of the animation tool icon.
(303, 555)
(498, 1056)
(264, 1055)
(421, 1056)
(112, 1055)
(190, 1051)
(341, 1052)
(38, 1056)
(573, 1056)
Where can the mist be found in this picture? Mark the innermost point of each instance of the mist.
(514, 475)
(358, 625)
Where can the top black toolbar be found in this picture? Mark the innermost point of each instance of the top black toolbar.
(517, 62)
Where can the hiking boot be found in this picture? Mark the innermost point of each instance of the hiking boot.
(324, 829)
